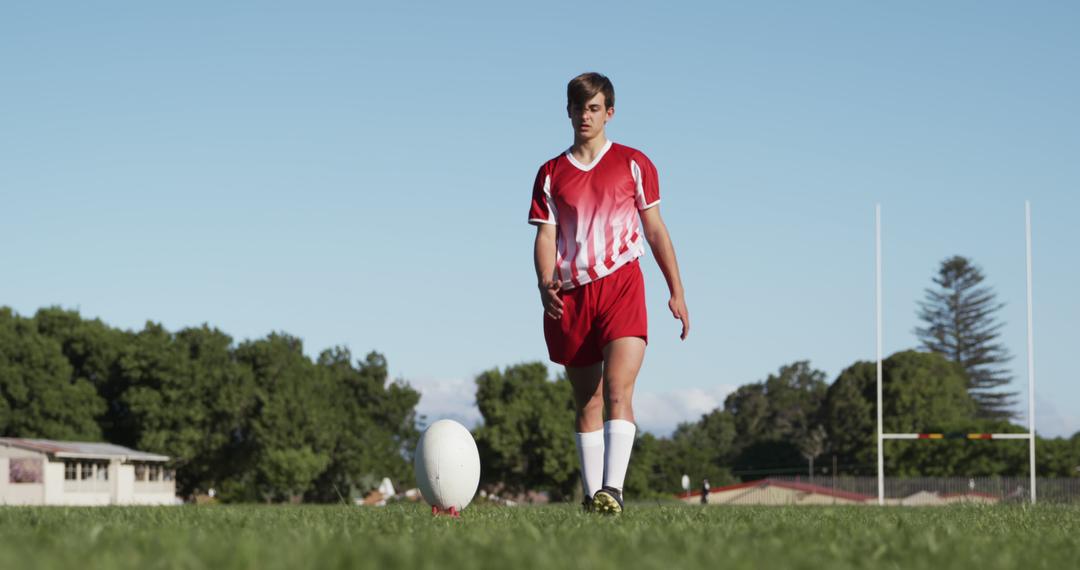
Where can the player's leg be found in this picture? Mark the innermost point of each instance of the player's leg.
(572, 342)
(622, 361)
(624, 333)
(587, 383)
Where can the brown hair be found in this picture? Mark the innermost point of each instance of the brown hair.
(586, 86)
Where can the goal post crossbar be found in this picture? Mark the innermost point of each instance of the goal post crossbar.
(957, 435)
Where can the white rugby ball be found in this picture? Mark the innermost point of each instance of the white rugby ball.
(447, 465)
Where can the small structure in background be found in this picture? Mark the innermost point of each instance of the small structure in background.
(48, 472)
(775, 492)
(378, 497)
(914, 493)
(938, 499)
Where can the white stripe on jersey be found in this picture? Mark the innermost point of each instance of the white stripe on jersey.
(569, 231)
(598, 245)
(616, 228)
(638, 245)
(581, 260)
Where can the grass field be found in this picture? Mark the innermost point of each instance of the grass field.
(560, 537)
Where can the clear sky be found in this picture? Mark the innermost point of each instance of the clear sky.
(359, 174)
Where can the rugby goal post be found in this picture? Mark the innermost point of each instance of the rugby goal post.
(1030, 435)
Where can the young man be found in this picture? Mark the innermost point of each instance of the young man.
(586, 204)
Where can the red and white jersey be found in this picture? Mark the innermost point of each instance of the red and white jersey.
(595, 208)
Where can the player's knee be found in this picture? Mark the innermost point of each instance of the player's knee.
(618, 400)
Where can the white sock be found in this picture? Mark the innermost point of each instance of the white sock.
(618, 441)
(590, 447)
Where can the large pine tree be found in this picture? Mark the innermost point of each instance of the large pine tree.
(960, 324)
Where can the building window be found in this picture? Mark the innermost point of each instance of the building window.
(170, 475)
(155, 473)
(140, 472)
(86, 470)
(25, 470)
(102, 471)
(71, 471)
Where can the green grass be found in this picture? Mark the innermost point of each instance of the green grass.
(560, 537)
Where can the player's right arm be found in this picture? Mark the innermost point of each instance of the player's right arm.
(544, 262)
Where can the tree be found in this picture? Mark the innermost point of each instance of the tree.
(39, 397)
(850, 418)
(527, 440)
(924, 393)
(960, 324)
(773, 415)
(1058, 457)
(91, 346)
(288, 472)
(811, 445)
(184, 395)
(701, 449)
(93, 349)
(375, 426)
(287, 420)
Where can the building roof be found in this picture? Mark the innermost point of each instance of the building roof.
(82, 449)
(801, 487)
(978, 494)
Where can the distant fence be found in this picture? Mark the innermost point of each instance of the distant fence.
(915, 491)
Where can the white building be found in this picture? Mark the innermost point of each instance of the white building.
(47, 472)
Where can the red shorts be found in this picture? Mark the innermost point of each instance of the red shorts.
(597, 313)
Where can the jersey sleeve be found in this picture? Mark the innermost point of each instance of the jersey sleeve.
(542, 209)
(647, 181)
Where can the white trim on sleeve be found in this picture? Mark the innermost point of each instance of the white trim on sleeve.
(553, 214)
(639, 188)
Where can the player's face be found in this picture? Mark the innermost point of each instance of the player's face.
(589, 120)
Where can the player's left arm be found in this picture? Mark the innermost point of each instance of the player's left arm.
(660, 242)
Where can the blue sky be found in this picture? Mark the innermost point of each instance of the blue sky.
(359, 174)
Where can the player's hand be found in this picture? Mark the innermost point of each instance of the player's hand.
(678, 310)
(549, 296)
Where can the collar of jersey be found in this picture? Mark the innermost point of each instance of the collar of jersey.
(591, 165)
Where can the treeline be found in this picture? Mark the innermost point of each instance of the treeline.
(772, 427)
(261, 421)
(256, 421)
